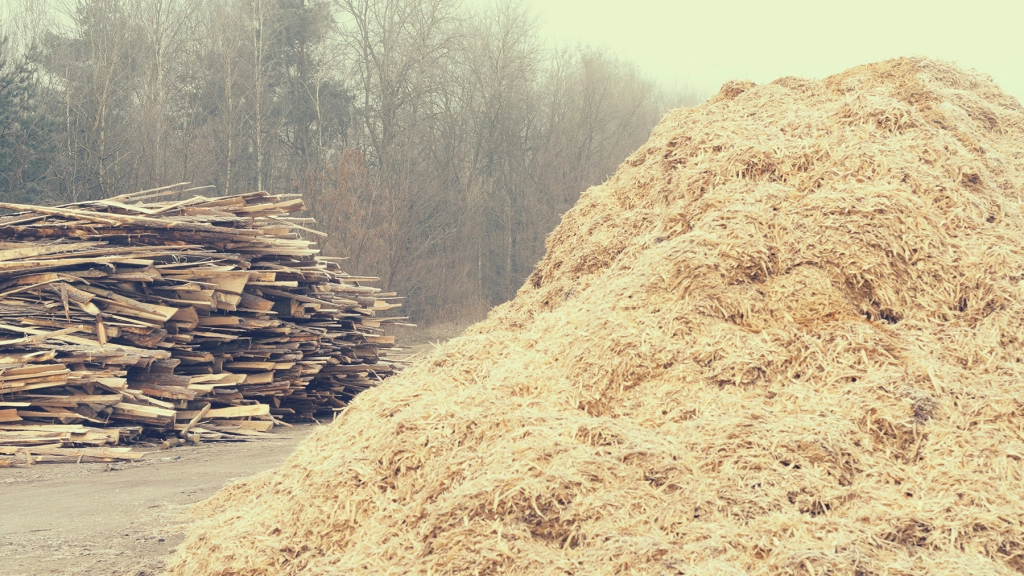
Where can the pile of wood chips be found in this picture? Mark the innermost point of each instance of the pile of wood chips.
(199, 319)
(786, 338)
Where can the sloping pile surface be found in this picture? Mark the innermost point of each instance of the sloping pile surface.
(785, 338)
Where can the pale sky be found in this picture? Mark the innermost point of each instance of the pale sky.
(705, 43)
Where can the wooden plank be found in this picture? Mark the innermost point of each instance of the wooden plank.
(9, 415)
(146, 411)
(259, 378)
(186, 316)
(235, 426)
(253, 302)
(79, 454)
(219, 321)
(229, 412)
(250, 365)
(168, 392)
(195, 420)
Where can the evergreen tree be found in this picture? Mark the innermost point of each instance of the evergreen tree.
(26, 141)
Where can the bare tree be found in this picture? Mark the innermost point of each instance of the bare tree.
(437, 144)
(164, 25)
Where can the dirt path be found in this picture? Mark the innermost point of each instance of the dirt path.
(126, 518)
(123, 518)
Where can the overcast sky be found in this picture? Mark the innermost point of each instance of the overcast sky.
(704, 43)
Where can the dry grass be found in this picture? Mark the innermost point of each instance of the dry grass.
(785, 338)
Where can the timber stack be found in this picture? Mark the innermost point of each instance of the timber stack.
(202, 318)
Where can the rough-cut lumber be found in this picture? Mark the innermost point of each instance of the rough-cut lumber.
(199, 317)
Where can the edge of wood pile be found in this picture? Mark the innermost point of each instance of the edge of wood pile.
(137, 317)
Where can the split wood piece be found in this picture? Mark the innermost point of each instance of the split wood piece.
(75, 454)
(195, 420)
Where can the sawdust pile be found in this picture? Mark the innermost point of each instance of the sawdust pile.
(785, 338)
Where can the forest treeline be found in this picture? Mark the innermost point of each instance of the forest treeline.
(437, 142)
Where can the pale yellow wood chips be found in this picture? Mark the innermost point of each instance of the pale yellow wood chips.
(785, 338)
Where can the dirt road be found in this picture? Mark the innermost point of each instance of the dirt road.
(122, 518)
(126, 518)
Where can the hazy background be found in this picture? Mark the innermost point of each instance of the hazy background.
(438, 141)
(704, 43)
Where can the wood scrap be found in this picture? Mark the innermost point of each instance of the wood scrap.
(123, 320)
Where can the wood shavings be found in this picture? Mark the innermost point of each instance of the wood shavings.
(787, 337)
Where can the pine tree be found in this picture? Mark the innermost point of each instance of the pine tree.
(26, 142)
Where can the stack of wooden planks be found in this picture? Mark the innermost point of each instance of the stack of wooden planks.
(202, 318)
